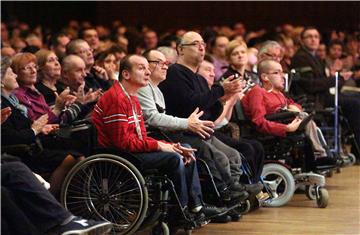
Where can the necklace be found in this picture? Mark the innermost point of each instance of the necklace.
(136, 119)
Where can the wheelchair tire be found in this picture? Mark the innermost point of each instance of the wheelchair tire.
(310, 192)
(281, 183)
(107, 187)
(161, 229)
(352, 158)
(322, 200)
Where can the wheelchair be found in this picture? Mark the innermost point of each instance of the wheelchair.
(112, 185)
(285, 169)
(108, 185)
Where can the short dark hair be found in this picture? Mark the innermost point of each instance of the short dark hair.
(146, 53)
(208, 58)
(125, 64)
(336, 42)
(54, 39)
(307, 28)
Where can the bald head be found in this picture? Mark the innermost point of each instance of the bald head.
(191, 50)
(266, 65)
(73, 71)
(188, 37)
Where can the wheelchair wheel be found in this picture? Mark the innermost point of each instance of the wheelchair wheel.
(281, 183)
(352, 158)
(107, 187)
(310, 192)
(161, 229)
(322, 197)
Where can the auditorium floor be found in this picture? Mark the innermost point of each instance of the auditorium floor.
(301, 216)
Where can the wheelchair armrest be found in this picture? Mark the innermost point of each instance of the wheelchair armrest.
(281, 116)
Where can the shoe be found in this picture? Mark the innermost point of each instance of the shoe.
(221, 219)
(229, 195)
(254, 189)
(213, 211)
(200, 220)
(235, 216)
(80, 226)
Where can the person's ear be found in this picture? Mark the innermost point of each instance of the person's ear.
(125, 74)
(264, 77)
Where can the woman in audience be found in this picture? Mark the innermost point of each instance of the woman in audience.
(236, 54)
(19, 129)
(107, 60)
(49, 72)
(65, 110)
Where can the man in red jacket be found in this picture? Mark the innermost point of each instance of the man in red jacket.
(269, 99)
(120, 124)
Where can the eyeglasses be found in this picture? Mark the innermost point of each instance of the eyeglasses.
(30, 67)
(274, 57)
(159, 62)
(196, 43)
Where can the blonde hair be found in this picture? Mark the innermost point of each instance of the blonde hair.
(232, 46)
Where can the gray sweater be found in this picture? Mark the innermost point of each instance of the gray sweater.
(151, 95)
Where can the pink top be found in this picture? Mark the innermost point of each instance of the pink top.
(35, 104)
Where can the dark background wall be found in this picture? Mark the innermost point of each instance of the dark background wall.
(166, 15)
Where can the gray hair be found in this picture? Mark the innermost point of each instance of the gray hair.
(68, 61)
(266, 45)
(73, 45)
(5, 64)
(168, 52)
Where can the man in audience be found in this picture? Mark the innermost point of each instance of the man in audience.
(119, 123)
(150, 39)
(58, 44)
(316, 85)
(184, 91)
(96, 77)
(90, 35)
(218, 53)
(190, 130)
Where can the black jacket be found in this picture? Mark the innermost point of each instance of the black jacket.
(313, 81)
(17, 128)
(185, 90)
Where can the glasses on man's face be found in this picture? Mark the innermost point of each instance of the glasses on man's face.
(159, 62)
(195, 43)
(30, 67)
(273, 56)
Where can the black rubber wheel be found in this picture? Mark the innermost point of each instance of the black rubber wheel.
(107, 187)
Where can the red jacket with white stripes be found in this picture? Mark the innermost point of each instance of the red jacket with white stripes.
(115, 124)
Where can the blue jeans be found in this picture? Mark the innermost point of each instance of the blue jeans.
(185, 178)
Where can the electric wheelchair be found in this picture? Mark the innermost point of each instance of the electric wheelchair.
(286, 168)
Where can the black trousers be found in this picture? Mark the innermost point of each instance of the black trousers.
(203, 152)
(185, 178)
(32, 200)
(252, 150)
(350, 105)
